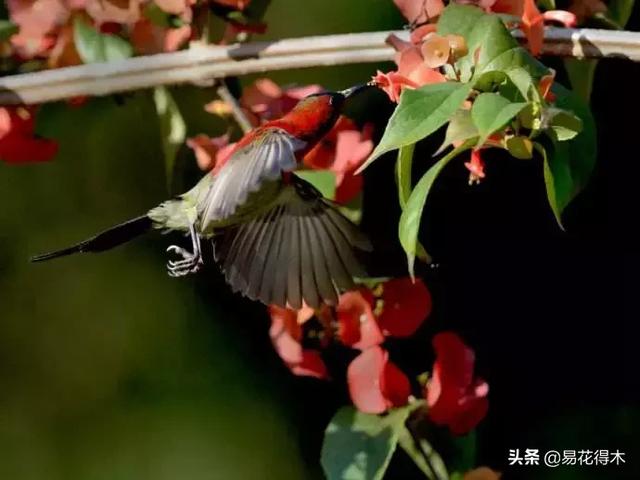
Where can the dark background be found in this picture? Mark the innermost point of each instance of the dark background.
(111, 370)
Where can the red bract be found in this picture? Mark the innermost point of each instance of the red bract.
(454, 398)
(357, 326)
(342, 151)
(117, 11)
(286, 335)
(376, 384)
(17, 141)
(148, 38)
(266, 100)
(211, 153)
(419, 11)
(405, 305)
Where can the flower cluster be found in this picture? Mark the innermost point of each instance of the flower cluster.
(363, 320)
(62, 33)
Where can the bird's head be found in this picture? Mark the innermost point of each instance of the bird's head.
(315, 114)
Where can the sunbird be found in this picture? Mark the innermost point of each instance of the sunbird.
(276, 238)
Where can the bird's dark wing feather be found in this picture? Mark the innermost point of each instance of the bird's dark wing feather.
(301, 250)
(271, 153)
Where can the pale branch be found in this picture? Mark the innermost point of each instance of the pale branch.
(241, 118)
(205, 62)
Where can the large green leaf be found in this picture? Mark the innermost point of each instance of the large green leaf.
(96, 47)
(460, 129)
(412, 214)
(359, 446)
(581, 74)
(7, 29)
(498, 50)
(620, 11)
(491, 112)
(172, 129)
(420, 113)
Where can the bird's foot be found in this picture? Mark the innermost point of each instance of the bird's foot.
(190, 263)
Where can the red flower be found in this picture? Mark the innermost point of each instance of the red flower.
(17, 141)
(454, 398)
(342, 151)
(266, 100)
(405, 305)
(211, 153)
(392, 84)
(566, 19)
(376, 384)
(148, 38)
(419, 11)
(286, 335)
(38, 21)
(116, 11)
(357, 326)
(475, 167)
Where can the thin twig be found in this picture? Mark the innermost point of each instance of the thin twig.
(207, 62)
(241, 118)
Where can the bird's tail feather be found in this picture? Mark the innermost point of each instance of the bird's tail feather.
(106, 240)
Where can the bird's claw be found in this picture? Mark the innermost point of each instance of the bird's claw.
(190, 263)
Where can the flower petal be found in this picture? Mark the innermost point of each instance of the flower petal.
(405, 305)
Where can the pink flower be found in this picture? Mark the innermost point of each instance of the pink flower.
(454, 398)
(419, 11)
(375, 383)
(564, 18)
(265, 100)
(392, 84)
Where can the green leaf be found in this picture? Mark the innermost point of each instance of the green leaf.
(565, 125)
(520, 147)
(423, 455)
(323, 180)
(491, 112)
(96, 47)
(524, 83)
(557, 178)
(359, 446)
(7, 29)
(173, 129)
(403, 180)
(581, 73)
(460, 128)
(420, 113)
(403, 172)
(499, 51)
(412, 214)
(620, 11)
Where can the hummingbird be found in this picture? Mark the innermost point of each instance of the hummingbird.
(275, 237)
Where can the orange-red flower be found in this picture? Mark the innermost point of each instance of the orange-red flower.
(475, 167)
(375, 383)
(454, 397)
(342, 151)
(357, 325)
(286, 336)
(211, 153)
(18, 143)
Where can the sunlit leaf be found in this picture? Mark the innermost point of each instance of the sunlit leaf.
(96, 47)
(564, 125)
(491, 112)
(323, 180)
(520, 147)
(172, 128)
(620, 11)
(359, 446)
(420, 113)
(7, 29)
(460, 128)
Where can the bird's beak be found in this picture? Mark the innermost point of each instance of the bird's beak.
(349, 92)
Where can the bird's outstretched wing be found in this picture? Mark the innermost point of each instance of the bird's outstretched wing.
(302, 249)
(272, 152)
